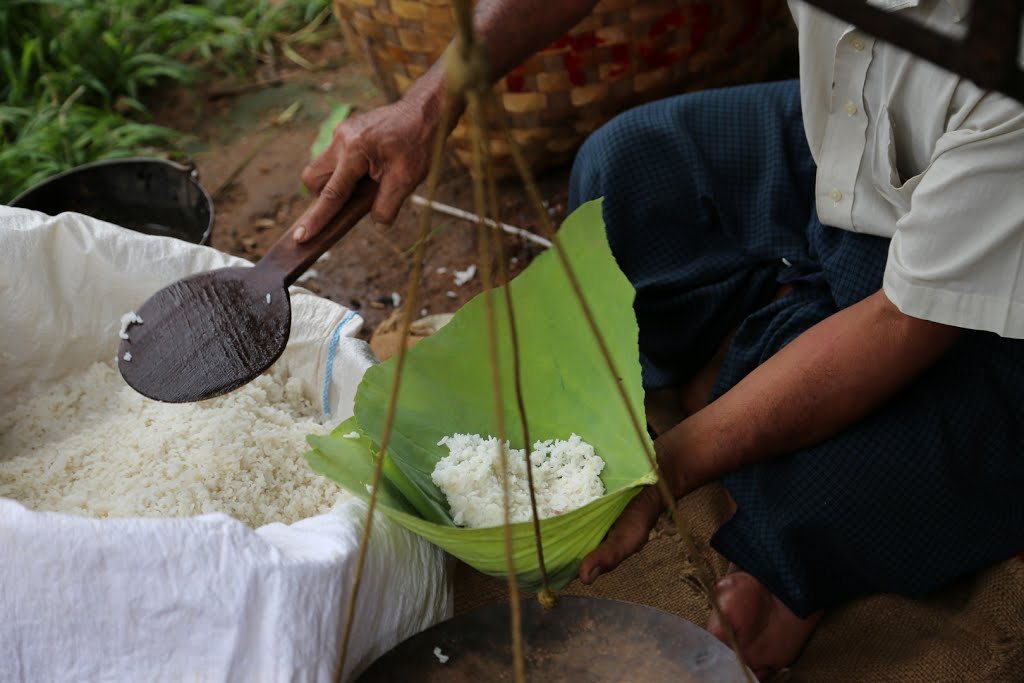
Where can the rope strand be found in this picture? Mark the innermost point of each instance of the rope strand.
(470, 74)
(547, 597)
(705, 574)
(412, 294)
(483, 236)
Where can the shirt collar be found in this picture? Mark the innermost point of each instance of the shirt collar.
(960, 7)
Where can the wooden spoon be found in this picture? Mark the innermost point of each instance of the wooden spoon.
(212, 332)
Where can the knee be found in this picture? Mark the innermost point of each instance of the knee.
(588, 179)
(619, 154)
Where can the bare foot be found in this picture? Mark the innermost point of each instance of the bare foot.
(768, 634)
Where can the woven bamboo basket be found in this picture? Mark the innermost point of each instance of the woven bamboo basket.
(625, 53)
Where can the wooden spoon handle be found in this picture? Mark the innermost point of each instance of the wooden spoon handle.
(289, 259)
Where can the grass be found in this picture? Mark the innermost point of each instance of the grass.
(74, 73)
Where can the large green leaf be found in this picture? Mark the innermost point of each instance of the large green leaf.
(446, 388)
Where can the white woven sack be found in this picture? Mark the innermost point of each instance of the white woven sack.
(203, 598)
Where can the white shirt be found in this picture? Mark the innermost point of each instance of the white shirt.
(910, 151)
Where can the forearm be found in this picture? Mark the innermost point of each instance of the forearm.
(515, 29)
(825, 380)
(512, 30)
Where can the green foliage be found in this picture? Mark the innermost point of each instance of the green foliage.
(57, 137)
(73, 73)
(338, 114)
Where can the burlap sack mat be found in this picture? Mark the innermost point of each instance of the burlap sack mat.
(971, 631)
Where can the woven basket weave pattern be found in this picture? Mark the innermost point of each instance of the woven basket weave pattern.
(625, 53)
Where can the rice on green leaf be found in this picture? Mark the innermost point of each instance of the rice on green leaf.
(446, 389)
(566, 475)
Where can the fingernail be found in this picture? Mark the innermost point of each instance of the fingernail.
(594, 573)
(726, 582)
(300, 233)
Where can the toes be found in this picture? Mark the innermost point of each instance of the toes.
(768, 634)
(740, 605)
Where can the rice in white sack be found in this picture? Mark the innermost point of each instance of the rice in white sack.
(177, 597)
(90, 445)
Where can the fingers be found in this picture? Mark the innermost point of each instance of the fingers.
(394, 188)
(387, 144)
(317, 173)
(333, 195)
(627, 536)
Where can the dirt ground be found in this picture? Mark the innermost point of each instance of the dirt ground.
(250, 145)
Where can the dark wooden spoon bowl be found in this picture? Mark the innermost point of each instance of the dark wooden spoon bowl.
(212, 332)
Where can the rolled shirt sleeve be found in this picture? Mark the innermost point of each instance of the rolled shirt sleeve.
(957, 254)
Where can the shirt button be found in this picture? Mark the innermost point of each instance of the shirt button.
(857, 44)
(850, 108)
(835, 195)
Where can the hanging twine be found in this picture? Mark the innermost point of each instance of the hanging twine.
(468, 76)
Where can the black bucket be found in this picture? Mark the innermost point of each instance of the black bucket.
(151, 196)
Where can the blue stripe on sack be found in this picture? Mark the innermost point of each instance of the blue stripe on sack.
(331, 351)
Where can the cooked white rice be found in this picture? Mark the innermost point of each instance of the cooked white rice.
(92, 446)
(127, 320)
(566, 476)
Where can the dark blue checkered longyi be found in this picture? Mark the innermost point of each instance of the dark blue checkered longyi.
(709, 206)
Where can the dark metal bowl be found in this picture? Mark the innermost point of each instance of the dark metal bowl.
(581, 639)
(151, 196)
